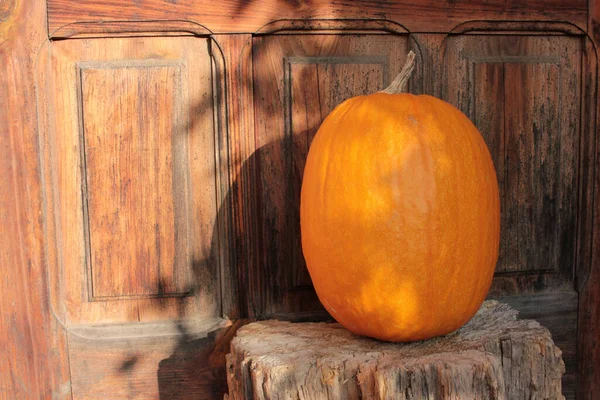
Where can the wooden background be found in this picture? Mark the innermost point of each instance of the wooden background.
(152, 153)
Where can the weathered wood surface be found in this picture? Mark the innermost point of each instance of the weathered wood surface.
(37, 361)
(33, 364)
(557, 312)
(135, 169)
(521, 92)
(235, 16)
(588, 270)
(182, 364)
(494, 356)
(239, 291)
(130, 143)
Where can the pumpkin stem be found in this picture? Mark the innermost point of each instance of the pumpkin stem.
(399, 84)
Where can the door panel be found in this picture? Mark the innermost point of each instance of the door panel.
(298, 80)
(130, 152)
(523, 93)
(134, 174)
(135, 214)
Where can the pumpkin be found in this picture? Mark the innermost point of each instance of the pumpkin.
(400, 215)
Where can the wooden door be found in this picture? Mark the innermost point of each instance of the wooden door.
(130, 145)
(151, 155)
(522, 90)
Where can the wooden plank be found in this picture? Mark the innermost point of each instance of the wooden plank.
(240, 295)
(587, 164)
(298, 80)
(250, 16)
(529, 212)
(488, 82)
(33, 363)
(431, 60)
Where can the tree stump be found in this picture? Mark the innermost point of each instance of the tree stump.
(494, 356)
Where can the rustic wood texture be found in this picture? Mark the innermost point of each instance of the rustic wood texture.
(494, 356)
(531, 270)
(510, 86)
(298, 80)
(240, 296)
(131, 177)
(134, 167)
(181, 363)
(131, 184)
(32, 313)
(250, 15)
(588, 343)
(522, 93)
(33, 362)
(431, 61)
(556, 311)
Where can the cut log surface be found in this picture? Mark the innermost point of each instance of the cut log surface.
(494, 356)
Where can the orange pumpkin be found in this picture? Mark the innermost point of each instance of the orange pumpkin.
(400, 216)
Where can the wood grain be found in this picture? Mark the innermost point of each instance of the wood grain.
(131, 144)
(511, 87)
(188, 364)
(134, 162)
(240, 295)
(588, 343)
(489, 95)
(39, 290)
(33, 363)
(494, 356)
(431, 60)
(556, 311)
(130, 147)
(249, 16)
(298, 80)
